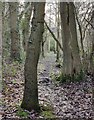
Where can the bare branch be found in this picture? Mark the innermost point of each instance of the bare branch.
(53, 36)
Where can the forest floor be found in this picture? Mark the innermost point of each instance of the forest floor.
(67, 100)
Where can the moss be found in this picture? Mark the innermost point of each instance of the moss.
(21, 113)
(47, 112)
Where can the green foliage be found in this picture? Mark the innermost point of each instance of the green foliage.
(80, 76)
(70, 78)
(47, 112)
(21, 113)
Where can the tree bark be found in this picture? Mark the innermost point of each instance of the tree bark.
(67, 58)
(73, 41)
(81, 36)
(14, 32)
(1, 45)
(26, 29)
(71, 62)
(58, 32)
(30, 98)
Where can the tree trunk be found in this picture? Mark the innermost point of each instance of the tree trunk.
(91, 60)
(73, 41)
(81, 36)
(71, 62)
(1, 45)
(67, 59)
(30, 98)
(91, 70)
(26, 28)
(44, 44)
(14, 32)
(58, 33)
(42, 48)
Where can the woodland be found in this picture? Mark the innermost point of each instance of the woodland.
(47, 60)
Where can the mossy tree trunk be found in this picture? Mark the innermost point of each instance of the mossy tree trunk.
(30, 97)
(14, 32)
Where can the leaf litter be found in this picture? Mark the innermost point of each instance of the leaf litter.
(72, 100)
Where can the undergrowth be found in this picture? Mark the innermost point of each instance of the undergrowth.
(47, 111)
(70, 78)
(21, 113)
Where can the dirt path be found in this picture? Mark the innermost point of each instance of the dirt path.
(48, 64)
(72, 100)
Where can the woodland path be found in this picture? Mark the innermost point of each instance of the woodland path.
(69, 100)
(73, 100)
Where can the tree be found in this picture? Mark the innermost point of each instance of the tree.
(26, 23)
(71, 62)
(67, 60)
(43, 43)
(0, 45)
(92, 57)
(92, 47)
(14, 32)
(30, 98)
(58, 31)
(73, 40)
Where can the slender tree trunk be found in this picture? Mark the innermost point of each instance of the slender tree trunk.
(14, 32)
(1, 45)
(26, 29)
(43, 42)
(30, 98)
(81, 36)
(49, 42)
(43, 49)
(58, 32)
